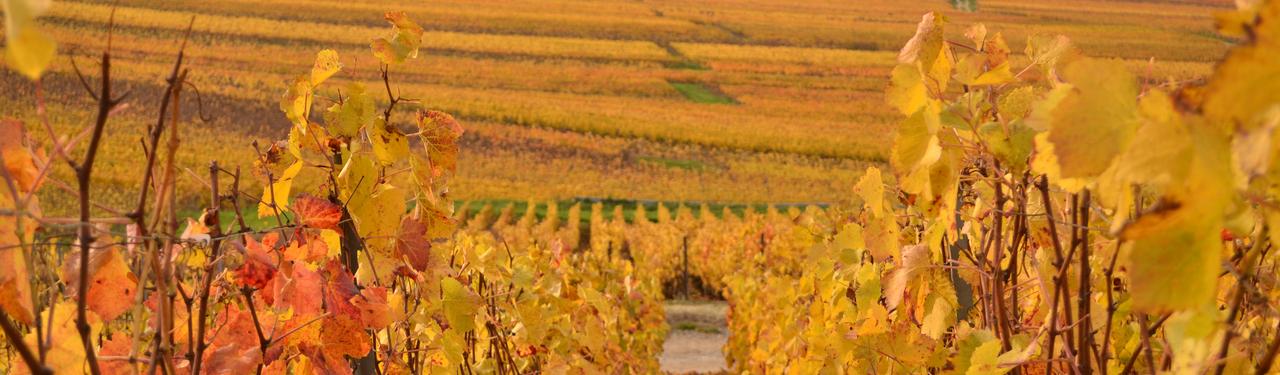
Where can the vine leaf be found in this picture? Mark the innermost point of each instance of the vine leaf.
(21, 162)
(403, 44)
(871, 189)
(1174, 252)
(15, 282)
(389, 144)
(1247, 83)
(460, 305)
(276, 195)
(326, 66)
(413, 245)
(27, 48)
(259, 267)
(66, 354)
(440, 133)
(112, 286)
(1096, 119)
(296, 102)
(314, 212)
(356, 112)
(929, 51)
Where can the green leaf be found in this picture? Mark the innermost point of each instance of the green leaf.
(1016, 104)
(1012, 148)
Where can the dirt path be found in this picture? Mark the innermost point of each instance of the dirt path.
(698, 331)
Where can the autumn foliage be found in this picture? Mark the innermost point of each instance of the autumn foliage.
(364, 271)
(1041, 212)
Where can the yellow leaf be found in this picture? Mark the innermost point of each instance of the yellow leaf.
(296, 101)
(403, 44)
(850, 238)
(1174, 252)
(1045, 162)
(276, 195)
(916, 144)
(929, 51)
(913, 258)
(972, 71)
(460, 305)
(906, 91)
(1096, 120)
(389, 144)
(378, 218)
(1157, 166)
(358, 177)
(1050, 51)
(326, 66)
(871, 189)
(355, 112)
(1247, 83)
(439, 133)
(66, 354)
(882, 237)
(998, 75)
(27, 48)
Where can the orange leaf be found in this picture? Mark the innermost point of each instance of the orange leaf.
(344, 336)
(112, 286)
(307, 248)
(15, 285)
(19, 161)
(317, 213)
(374, 311)
(440, 133)
(339, 289)
(232, 360)
(298, 288)
(115, 354)
(259, 265)
(413, 244)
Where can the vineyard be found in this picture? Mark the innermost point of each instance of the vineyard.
(1015, 204)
